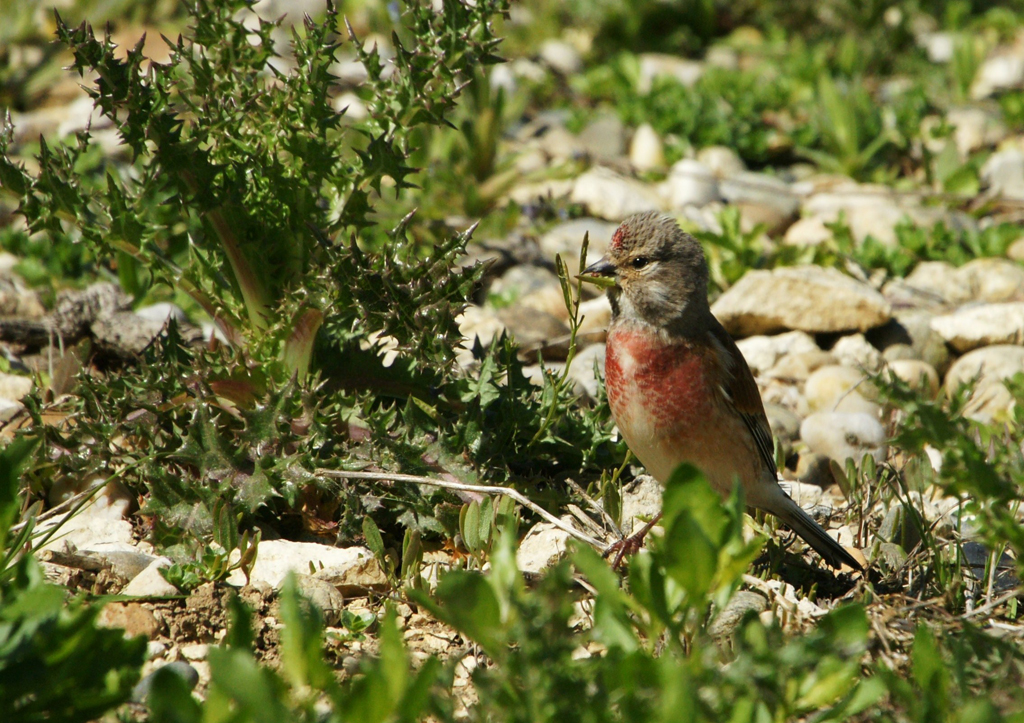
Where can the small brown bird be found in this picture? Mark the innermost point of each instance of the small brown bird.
(679, 389)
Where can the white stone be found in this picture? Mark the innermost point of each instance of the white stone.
(646, 151)
(723, 161)
(999, 72)
(477, 322)
(14, 387)
(654, 65)
(596, 316)
(9, 409)
(843, 435)
(749, 187)
(353, 106)
(604, 138)
(996, 362)
(95, 525)
(762, 352)
(276, 558)
(983, 325)
(918, 374)
(690, 183)
(809, 231)
(808, 496)
(1003, 173)
(835, 388)
(992, 279)
(976, 128)
(641, 502)
(869, 210)
(150, 583)
(195, 651)
(608, 195)
(561, 57)
(161, 312)
(1015, 251)
(939, 46)
(857, 352)
(559, 144)
(566, 239)
(527, 194)
(941, 280)
(542, 547)
(582, 369)
(805, 298)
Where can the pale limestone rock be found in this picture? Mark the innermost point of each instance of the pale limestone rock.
(918, 374)
(608, 195)
(995, 362)
(748, 187)
(561, 57)
(983, 325)
(855, 351)
(530, 193)
(604, 138)
(842, 435)
(990, 400)
(646, 151)
(596, 316)
(566, 240)
(809, 231)
(941, 280)
(993, 280)
(798, 366)
(640, 502)
(1001, 71)
(542, 547)
(690, 183)
(1015, 251)
(1003, 173)
(655, 65)
(808, 496)
(976, 128)
(721, 160)
(150, 583)
(806, 298)
(14, 387)
(582, 369)
(351, 566)
(784, 423)
(762, 352)
(839, 388)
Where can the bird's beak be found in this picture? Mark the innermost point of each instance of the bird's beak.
(600, 273)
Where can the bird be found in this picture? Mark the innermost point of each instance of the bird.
(678, 387)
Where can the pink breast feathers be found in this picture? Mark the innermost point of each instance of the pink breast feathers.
(654, 384)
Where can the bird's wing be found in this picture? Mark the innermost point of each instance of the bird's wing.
(739, 386)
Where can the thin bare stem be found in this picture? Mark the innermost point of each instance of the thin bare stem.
(460, 487)
(595, 506)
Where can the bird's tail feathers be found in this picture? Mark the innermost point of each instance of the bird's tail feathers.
(804, 525)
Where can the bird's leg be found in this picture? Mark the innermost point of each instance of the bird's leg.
(632, 544)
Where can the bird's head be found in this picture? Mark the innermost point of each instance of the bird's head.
(657, 272)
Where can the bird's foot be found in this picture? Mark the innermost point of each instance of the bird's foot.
(630, 545)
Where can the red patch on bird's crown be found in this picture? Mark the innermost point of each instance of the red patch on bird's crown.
(617, 239)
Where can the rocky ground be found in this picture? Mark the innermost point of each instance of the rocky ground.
(814, 335)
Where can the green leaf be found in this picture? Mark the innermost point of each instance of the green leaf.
(302, 653)
(467, 602)
(374, 542)
(170, 699)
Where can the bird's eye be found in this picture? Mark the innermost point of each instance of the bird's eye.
(639, 262)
